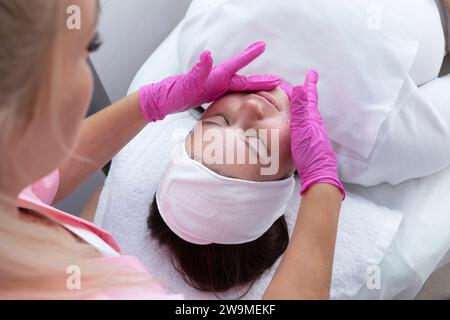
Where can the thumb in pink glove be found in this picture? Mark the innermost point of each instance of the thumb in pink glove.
(311, 149)
(203, 84)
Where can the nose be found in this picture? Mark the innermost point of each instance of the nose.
(251, 111)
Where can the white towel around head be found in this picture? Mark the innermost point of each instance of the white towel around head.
(366, 230)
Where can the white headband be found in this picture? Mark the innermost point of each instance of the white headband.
(202, 207)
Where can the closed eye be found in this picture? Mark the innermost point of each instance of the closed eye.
(251, 141)
(257, 138)
(215, 121)
(224, 117)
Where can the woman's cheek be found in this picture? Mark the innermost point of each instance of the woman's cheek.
(284, 138)
(280, 130)
(85, 89)
(82, 91)
(78, 95)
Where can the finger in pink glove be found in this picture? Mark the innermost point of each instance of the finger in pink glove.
(203, 84)
(287, 88)
(311, 149)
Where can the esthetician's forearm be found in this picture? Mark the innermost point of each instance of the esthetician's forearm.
(306, 268)
(103, 135)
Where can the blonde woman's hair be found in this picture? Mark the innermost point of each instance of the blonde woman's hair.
(33, 258)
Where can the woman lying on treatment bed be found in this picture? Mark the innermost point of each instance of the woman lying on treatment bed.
(222, 218)
(224, 263)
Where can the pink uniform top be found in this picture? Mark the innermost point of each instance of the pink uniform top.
(41, 194)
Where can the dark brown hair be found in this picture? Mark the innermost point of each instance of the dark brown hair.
(219, 267)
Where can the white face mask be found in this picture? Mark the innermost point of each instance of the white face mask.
(202, 207)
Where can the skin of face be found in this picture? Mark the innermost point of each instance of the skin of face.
(62, 106)
(236, 113)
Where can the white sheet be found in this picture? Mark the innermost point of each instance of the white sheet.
(424, 235)
(384, 128)
(346, 51)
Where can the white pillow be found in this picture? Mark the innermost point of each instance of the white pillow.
(363, 61)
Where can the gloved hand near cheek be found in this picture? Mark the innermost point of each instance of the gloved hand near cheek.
(311, 149)
(287, 88)
(203, 84)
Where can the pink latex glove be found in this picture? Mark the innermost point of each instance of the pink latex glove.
(203, 84)
(288, 89)
(311, 149)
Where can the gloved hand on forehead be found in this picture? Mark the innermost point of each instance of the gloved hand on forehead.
(311, 149)
(203, 84)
